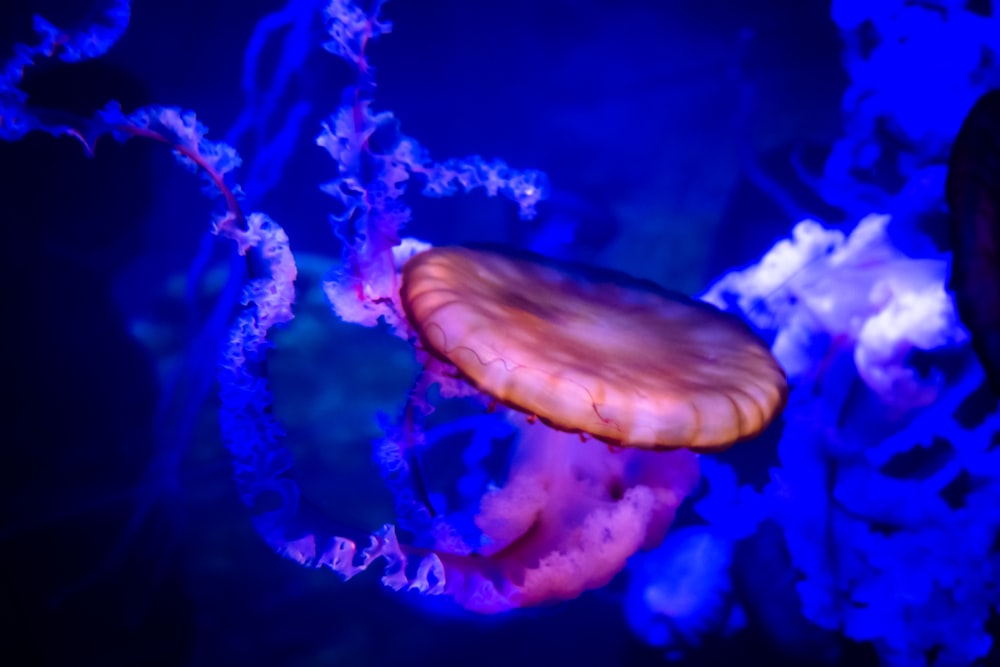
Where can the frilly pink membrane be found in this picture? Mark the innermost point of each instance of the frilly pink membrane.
(654, 375)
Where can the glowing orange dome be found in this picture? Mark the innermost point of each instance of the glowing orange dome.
(593, 351)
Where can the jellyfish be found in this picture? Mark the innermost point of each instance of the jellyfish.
(611, 385)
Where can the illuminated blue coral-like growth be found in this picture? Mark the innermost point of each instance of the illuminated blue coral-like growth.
(889, 474)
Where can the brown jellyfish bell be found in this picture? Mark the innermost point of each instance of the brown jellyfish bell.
(593, 351)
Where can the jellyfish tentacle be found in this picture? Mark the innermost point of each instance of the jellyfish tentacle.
(254, 437)
(396, 461)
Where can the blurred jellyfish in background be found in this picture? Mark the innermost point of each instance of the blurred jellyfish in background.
(680, 593)
(887, 477)
(884, 499)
